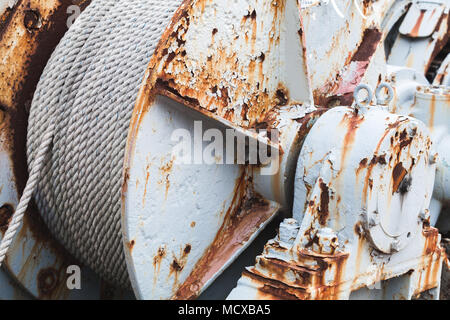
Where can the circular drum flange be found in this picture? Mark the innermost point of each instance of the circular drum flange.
(399, 187)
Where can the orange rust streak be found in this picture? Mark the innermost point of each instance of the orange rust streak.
(352, 122)
(367, 181)
(311, 283)
(210, 75)
(398, 175)
(241, 221)
(432, 112)
(415, 30)
(178, 264)
(157, 259)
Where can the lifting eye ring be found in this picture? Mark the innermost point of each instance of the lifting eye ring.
(384, 101)
(361, 103)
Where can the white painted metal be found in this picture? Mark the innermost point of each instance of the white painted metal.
(170, 206)
(432, 12)
(347, 185)
(338, 161)
(432, 106)
(443, 74)
(422, 31)
(405, 82)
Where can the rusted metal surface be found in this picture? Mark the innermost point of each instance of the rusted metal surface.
(348, 51)
(234, 85)
(233, 233)
(233, 90)
(422, 19)
(235, 93)
(29, 32)
(186, 68)
(430, 104)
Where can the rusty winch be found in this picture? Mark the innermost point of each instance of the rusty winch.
(147, 144)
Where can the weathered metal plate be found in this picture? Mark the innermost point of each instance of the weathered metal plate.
(419, 52)
(422, 19)
(183, 223)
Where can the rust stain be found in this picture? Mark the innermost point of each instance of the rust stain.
(147, 177)
(432, 112)
(270, 276)
(241, 220)
(442, 38)
(33, 227)
(339, 90)
(131, 245)
(352, 122)
(308, 283)
(29, 33)
(358, 258)
(377, 160)
(47, 281)
(165, 171)
(398, 175)
(32, 20)
(6, 212)
(171, 55)
(323, 210)
(178, 264)
(415, 30)
(157, 259)
(431, 262)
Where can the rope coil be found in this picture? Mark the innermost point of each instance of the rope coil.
(88, 89)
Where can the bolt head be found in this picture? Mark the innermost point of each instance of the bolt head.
(434, 157)
(425, 215)
(395, 246)
(374, 221)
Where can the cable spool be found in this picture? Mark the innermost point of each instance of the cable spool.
(88, 90)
